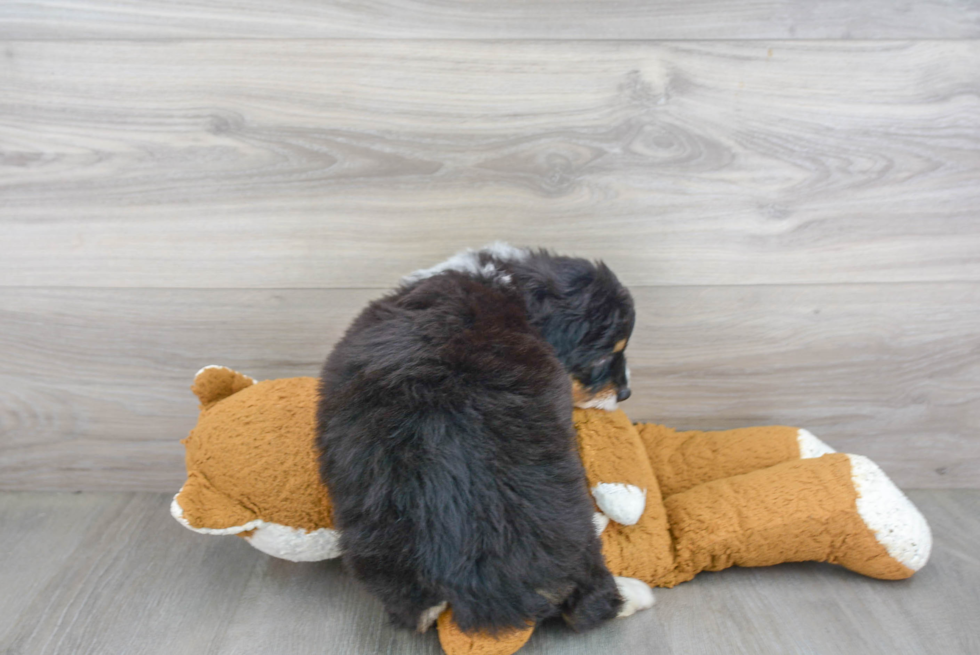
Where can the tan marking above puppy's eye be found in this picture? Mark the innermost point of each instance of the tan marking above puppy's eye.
(579, 393)
(620, 346)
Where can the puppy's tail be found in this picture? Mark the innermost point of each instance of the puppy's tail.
(214, 383)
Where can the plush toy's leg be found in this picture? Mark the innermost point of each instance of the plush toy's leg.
(456, 642)
(837, 508)
(682, 460)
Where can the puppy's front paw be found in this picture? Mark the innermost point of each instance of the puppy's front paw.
(636, 594)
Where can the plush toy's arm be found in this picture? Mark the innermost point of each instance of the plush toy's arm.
(616, 463)
(682, 460)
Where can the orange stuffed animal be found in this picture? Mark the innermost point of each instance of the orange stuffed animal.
(669, 504)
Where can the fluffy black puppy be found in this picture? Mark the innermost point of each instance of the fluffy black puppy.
(447, 444)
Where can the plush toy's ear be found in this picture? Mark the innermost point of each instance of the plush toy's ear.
(214, 383)
(456, 642)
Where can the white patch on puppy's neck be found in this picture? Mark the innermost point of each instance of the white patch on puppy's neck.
(607, 402)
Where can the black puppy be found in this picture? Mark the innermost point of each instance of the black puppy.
(447, 445)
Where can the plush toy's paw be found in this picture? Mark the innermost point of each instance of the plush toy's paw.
(810, 446)
(623, 503)
(636, 595)
(896, 523)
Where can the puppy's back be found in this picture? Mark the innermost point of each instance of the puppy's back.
(446, 438)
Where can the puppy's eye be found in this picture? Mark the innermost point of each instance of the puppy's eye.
(599, 363)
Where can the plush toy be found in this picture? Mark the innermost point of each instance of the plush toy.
(669, 504)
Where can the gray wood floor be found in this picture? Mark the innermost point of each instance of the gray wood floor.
(112, 573)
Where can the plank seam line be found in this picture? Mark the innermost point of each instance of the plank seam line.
(539, 40)
(57, 287)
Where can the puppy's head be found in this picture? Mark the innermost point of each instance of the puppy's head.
(587, 316)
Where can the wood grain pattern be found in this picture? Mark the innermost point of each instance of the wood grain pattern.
(315, 607)
(245, 164)
(139, 583)
(41, 532)
(495, 19)
(94, 382)
(133, 585)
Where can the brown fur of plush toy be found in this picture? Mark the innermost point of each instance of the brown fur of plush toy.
(682, 502)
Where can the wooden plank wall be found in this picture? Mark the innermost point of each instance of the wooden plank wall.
(791, 190)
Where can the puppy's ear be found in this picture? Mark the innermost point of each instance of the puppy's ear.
(578, 279)
(540, 291)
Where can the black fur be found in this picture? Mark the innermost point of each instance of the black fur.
(446, 441)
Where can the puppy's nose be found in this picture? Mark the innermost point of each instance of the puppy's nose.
(623, 394)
